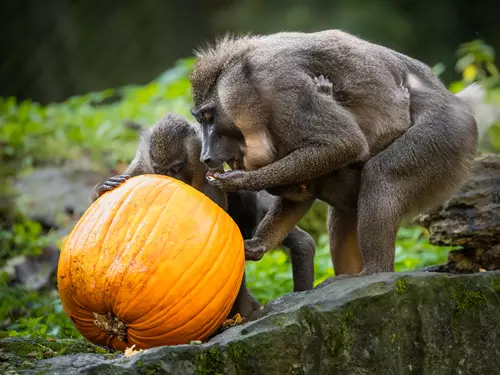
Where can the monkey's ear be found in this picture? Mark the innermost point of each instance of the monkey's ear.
(251, 75)
(248, 70)
(260, 84)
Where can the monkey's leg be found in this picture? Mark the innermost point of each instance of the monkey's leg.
(245, 303)
(282, 216)
(344, 245)
(421, 168)
(302, 249)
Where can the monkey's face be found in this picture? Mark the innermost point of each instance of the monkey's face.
(172, 161)
(222, 141)
(233, 122)
(174, 149)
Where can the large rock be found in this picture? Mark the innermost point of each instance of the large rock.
(394, 323)
(470, 219)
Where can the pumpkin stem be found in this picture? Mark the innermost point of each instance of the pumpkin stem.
(111, 325)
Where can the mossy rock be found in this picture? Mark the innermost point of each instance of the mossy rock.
(391, 323)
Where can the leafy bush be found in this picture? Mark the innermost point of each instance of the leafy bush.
(23, 238)
(90, 124)
(476, 62)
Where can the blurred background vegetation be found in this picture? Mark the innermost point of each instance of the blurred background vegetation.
(76, 75)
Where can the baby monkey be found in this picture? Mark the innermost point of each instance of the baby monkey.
(172, 147)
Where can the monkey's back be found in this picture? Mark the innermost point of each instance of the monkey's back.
(369, 80)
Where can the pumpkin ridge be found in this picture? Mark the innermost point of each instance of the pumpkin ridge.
(159, 315)
(159, 187)
(221, 255)
(120, 204)
(144, 295)
(107, 298)
(70, 261)
(212, 324)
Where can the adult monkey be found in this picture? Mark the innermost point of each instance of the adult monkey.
(388, 111)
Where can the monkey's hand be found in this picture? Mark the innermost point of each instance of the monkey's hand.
(110, 184)
(255, 249)
(324, 85)
(230, 180)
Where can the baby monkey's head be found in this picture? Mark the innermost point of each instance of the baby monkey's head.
(174, 148)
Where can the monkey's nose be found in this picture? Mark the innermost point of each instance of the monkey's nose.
(211, 163)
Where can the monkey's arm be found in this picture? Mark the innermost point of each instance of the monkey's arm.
(281, 218)
(139, 165)
(332, 140)
(300, 165)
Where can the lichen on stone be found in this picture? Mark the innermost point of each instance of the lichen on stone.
(210, 362)
(401, 286)
(467, 299)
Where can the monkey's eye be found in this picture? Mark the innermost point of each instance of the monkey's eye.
(176, 170)
(207, 115)
(204, 115)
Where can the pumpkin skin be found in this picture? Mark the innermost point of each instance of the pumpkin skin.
(156, 255)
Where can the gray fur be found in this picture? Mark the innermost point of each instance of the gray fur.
(388, 113)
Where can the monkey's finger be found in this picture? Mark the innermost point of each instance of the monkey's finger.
(118, 178)
(213, 181)
(111, 185)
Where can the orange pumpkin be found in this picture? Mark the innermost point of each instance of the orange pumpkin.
(152, 262)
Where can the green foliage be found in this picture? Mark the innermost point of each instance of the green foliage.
(476, 62)
(23, 238)
(90, 124)
(33, 314)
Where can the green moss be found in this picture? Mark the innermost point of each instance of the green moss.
(340, 338)
(153, 369)
(111, 355)
(40, 348)
(139, 363)
(496, 284)
(276, 320)
(237, 352)
(349, 317)
(209, 362)
(401, 286)
(467, 300)
(394, 338)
